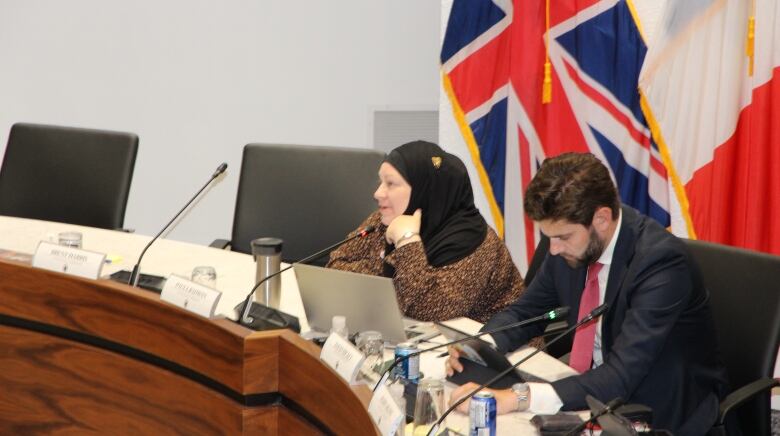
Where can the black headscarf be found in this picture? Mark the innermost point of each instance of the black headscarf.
(452, 227)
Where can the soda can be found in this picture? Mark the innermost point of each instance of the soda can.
(482, 414)
(409, 368)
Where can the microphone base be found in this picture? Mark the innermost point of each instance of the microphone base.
(268, 318)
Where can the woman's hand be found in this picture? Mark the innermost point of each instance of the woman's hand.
(404, 229)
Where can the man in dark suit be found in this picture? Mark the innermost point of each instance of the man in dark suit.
(656, 343)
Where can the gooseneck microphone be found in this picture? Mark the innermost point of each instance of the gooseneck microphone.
(547, 316)
(246, 319)
(608, 408)
(595, 313)
(135, 274)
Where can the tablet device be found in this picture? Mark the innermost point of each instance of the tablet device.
(481, 362)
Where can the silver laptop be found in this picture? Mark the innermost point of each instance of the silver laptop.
(368, 302)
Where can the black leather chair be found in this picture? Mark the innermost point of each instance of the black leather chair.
(65, 174)
(745, 298)
(309, 196)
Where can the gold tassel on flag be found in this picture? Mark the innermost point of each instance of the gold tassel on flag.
(547, 82)
(751, 38)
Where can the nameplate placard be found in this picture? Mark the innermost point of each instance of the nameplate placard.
(68, 260)
(343, 357)
(191, 296)
(385, 411)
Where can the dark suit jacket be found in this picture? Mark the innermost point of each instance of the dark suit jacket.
(658, 338)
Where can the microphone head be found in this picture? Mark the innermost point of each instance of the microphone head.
(558, 313)
(220, 169)
(367, 230)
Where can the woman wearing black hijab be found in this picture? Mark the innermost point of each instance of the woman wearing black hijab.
(444, 259)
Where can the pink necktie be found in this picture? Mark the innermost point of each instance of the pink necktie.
(582, 350)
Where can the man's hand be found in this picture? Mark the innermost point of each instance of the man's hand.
(452, 364)
(506, 400)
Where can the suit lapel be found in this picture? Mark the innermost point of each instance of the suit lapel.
(624, 253)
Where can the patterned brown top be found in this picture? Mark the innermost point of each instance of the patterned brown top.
(476, 286)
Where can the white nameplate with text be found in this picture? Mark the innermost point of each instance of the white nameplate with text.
(191, 296)
(343, 357)
(385, 411)
(68, 260)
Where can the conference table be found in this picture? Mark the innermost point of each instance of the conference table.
(235, 271)
(235, 278)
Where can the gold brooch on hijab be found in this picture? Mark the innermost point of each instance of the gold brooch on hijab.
(436, 162)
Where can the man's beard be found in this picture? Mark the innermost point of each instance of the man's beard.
(592, 252)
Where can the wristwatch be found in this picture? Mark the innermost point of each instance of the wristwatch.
(522, 391)
(406, 236)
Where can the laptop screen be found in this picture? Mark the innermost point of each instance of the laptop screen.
(368, 302)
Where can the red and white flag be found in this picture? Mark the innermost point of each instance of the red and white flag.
(711, 93)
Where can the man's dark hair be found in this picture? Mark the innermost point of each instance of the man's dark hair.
(571, 187)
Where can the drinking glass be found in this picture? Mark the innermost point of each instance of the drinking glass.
(70, 239)
(205, 275)
(429, 404)
(371, 345)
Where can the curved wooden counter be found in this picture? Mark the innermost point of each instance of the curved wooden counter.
(80, 356)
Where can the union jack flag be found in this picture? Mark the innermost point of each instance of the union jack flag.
(493, 58)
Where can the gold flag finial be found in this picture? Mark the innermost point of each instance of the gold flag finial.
(751, 38)
(547, 82)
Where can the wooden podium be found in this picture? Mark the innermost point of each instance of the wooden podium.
(84, 356)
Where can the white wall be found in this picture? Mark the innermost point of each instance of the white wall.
(199, 79)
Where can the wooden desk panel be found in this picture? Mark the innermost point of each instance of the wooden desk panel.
(124, 315)
(53, 385)
(81, 355)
